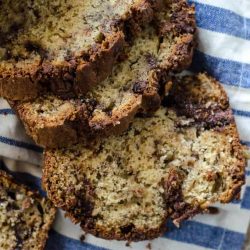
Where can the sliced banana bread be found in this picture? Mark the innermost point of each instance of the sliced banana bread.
(25, 217)
(66, 46)
(110, 107)
(171, 165)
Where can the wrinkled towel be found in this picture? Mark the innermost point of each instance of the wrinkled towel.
(224, 52)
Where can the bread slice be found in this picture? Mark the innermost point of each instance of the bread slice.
(171, 165)
(66, 46)
(25, 217)
(133, 87)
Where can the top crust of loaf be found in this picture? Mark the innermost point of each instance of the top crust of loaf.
(172, 166)
(25, 216)
(75, 73)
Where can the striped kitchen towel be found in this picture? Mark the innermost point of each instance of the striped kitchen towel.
(224, 52)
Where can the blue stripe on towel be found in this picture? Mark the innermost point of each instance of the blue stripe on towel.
(204, 235)
(247, 143)
(246, 199)
(227, 71)
(20, 144)
(226, 21)
(238, 201)
(31, 181)
(6, 112)
(57, 241)
(241, 113)
(232, 240)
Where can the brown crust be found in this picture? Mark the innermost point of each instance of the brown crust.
(238, 171)
(181, 24)
(76, 75)
(82, 212)
(188, 104)
(77, 123)
(66, 80)
(177, 209)
(8, 180)
(182, 210)
(217, 117)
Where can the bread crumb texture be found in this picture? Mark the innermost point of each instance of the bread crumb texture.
(54, 29)
(108, 103)
(58, 44)
(68, 47)
(132, 87)
(171, 165)
(25, 218)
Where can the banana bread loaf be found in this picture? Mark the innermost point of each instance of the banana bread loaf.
(66, 46)
(25, 217)
(133, 87)
(172, 165)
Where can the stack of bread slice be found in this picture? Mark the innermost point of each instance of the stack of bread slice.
(133, 86)
(128, 145)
